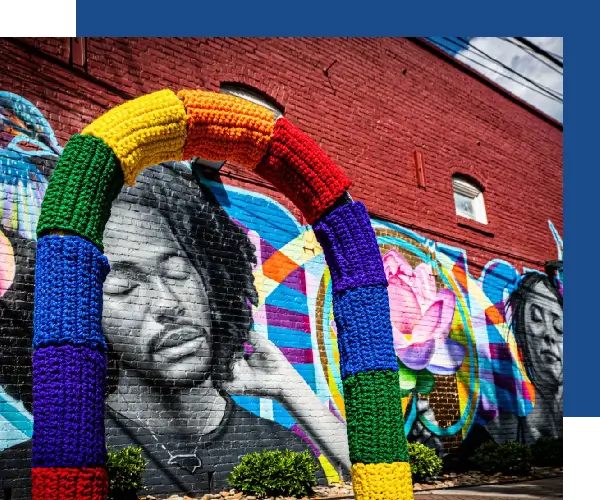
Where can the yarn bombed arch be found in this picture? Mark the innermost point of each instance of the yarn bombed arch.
(69, 358)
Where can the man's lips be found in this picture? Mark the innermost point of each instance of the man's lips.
(179, 342)
(550, 357)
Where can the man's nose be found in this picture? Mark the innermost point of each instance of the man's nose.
(549, 332)
(166, 306)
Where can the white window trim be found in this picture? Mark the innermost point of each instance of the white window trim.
(470, 190)
(248, 94)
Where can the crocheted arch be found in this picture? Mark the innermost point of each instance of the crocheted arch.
(69, 360)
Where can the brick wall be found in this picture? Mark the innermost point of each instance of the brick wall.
(379, 102)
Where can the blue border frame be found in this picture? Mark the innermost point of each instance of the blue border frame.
(316, 18)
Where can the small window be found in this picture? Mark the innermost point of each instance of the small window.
(468, 199)
(252, 95)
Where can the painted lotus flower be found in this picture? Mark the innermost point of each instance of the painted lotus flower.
(7, 264)
(421, 317)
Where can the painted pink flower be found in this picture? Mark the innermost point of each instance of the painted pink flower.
(421, 317)
(7, 264)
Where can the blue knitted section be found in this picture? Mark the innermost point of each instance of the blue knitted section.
(365, 341)
(69, 273)
(350, 247)
(69, 383)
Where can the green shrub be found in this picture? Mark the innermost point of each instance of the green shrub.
(487, 458)
(275, 473)
(424, 461)
(508, 458)
(125, 469)
(547, 452)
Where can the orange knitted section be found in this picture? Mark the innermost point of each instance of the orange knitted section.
(69, 483)
(224, 127)
(300, 169)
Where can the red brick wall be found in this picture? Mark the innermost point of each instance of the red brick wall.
(384, 99)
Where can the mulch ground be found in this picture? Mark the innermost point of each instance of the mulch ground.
(446, 481)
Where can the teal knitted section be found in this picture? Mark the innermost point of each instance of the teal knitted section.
(84, 184)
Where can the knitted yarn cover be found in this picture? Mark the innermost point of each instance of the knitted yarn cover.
(69, 483)
(382, 481)
(69, 363)
(350, 247)
(69, 274)
(302, 171)
(68, 411)
(143, 132)
(225, 127)
(364, 330)
(83, 186)
(374, 417)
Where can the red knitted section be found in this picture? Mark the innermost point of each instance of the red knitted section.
(69, 483)
(302, 171)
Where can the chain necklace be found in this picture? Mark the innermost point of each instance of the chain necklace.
(188, 461)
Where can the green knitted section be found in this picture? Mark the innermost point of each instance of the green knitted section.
(83, 186)
(374, 417)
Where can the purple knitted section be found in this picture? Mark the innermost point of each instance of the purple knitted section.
(350, 247)
(69, 273)
(68, 407)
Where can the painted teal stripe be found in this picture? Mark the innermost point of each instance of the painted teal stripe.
(287, 337)
(19, 418)
(9, 435)
(288, 298)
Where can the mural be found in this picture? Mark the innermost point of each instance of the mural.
(218, 312)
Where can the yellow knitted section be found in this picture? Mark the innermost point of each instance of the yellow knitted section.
(225, 127)
(382, 481)
(143, 132)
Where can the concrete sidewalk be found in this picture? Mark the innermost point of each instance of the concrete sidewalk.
(543, 489)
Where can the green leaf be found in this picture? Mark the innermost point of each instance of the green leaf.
(408, 378)
(425, 382)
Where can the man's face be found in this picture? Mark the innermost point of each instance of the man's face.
(544, 326)
(156, 309)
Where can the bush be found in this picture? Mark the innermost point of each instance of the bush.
(424, 461)
(275, 473)
(125, 469)
(508, 458)
(486, 457)
(547, 452)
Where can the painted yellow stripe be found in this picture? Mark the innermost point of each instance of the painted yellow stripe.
(143, 132)
(330, 473)
(382, 481)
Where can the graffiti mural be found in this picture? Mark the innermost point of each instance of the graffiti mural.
(219, 318)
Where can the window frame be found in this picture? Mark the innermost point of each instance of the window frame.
(252, 94)
(471, 189)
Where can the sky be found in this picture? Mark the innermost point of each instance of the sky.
(517, 59)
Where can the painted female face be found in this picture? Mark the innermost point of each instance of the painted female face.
(544, 327)
(156, 309)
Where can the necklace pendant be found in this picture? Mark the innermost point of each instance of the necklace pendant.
(189, 461)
